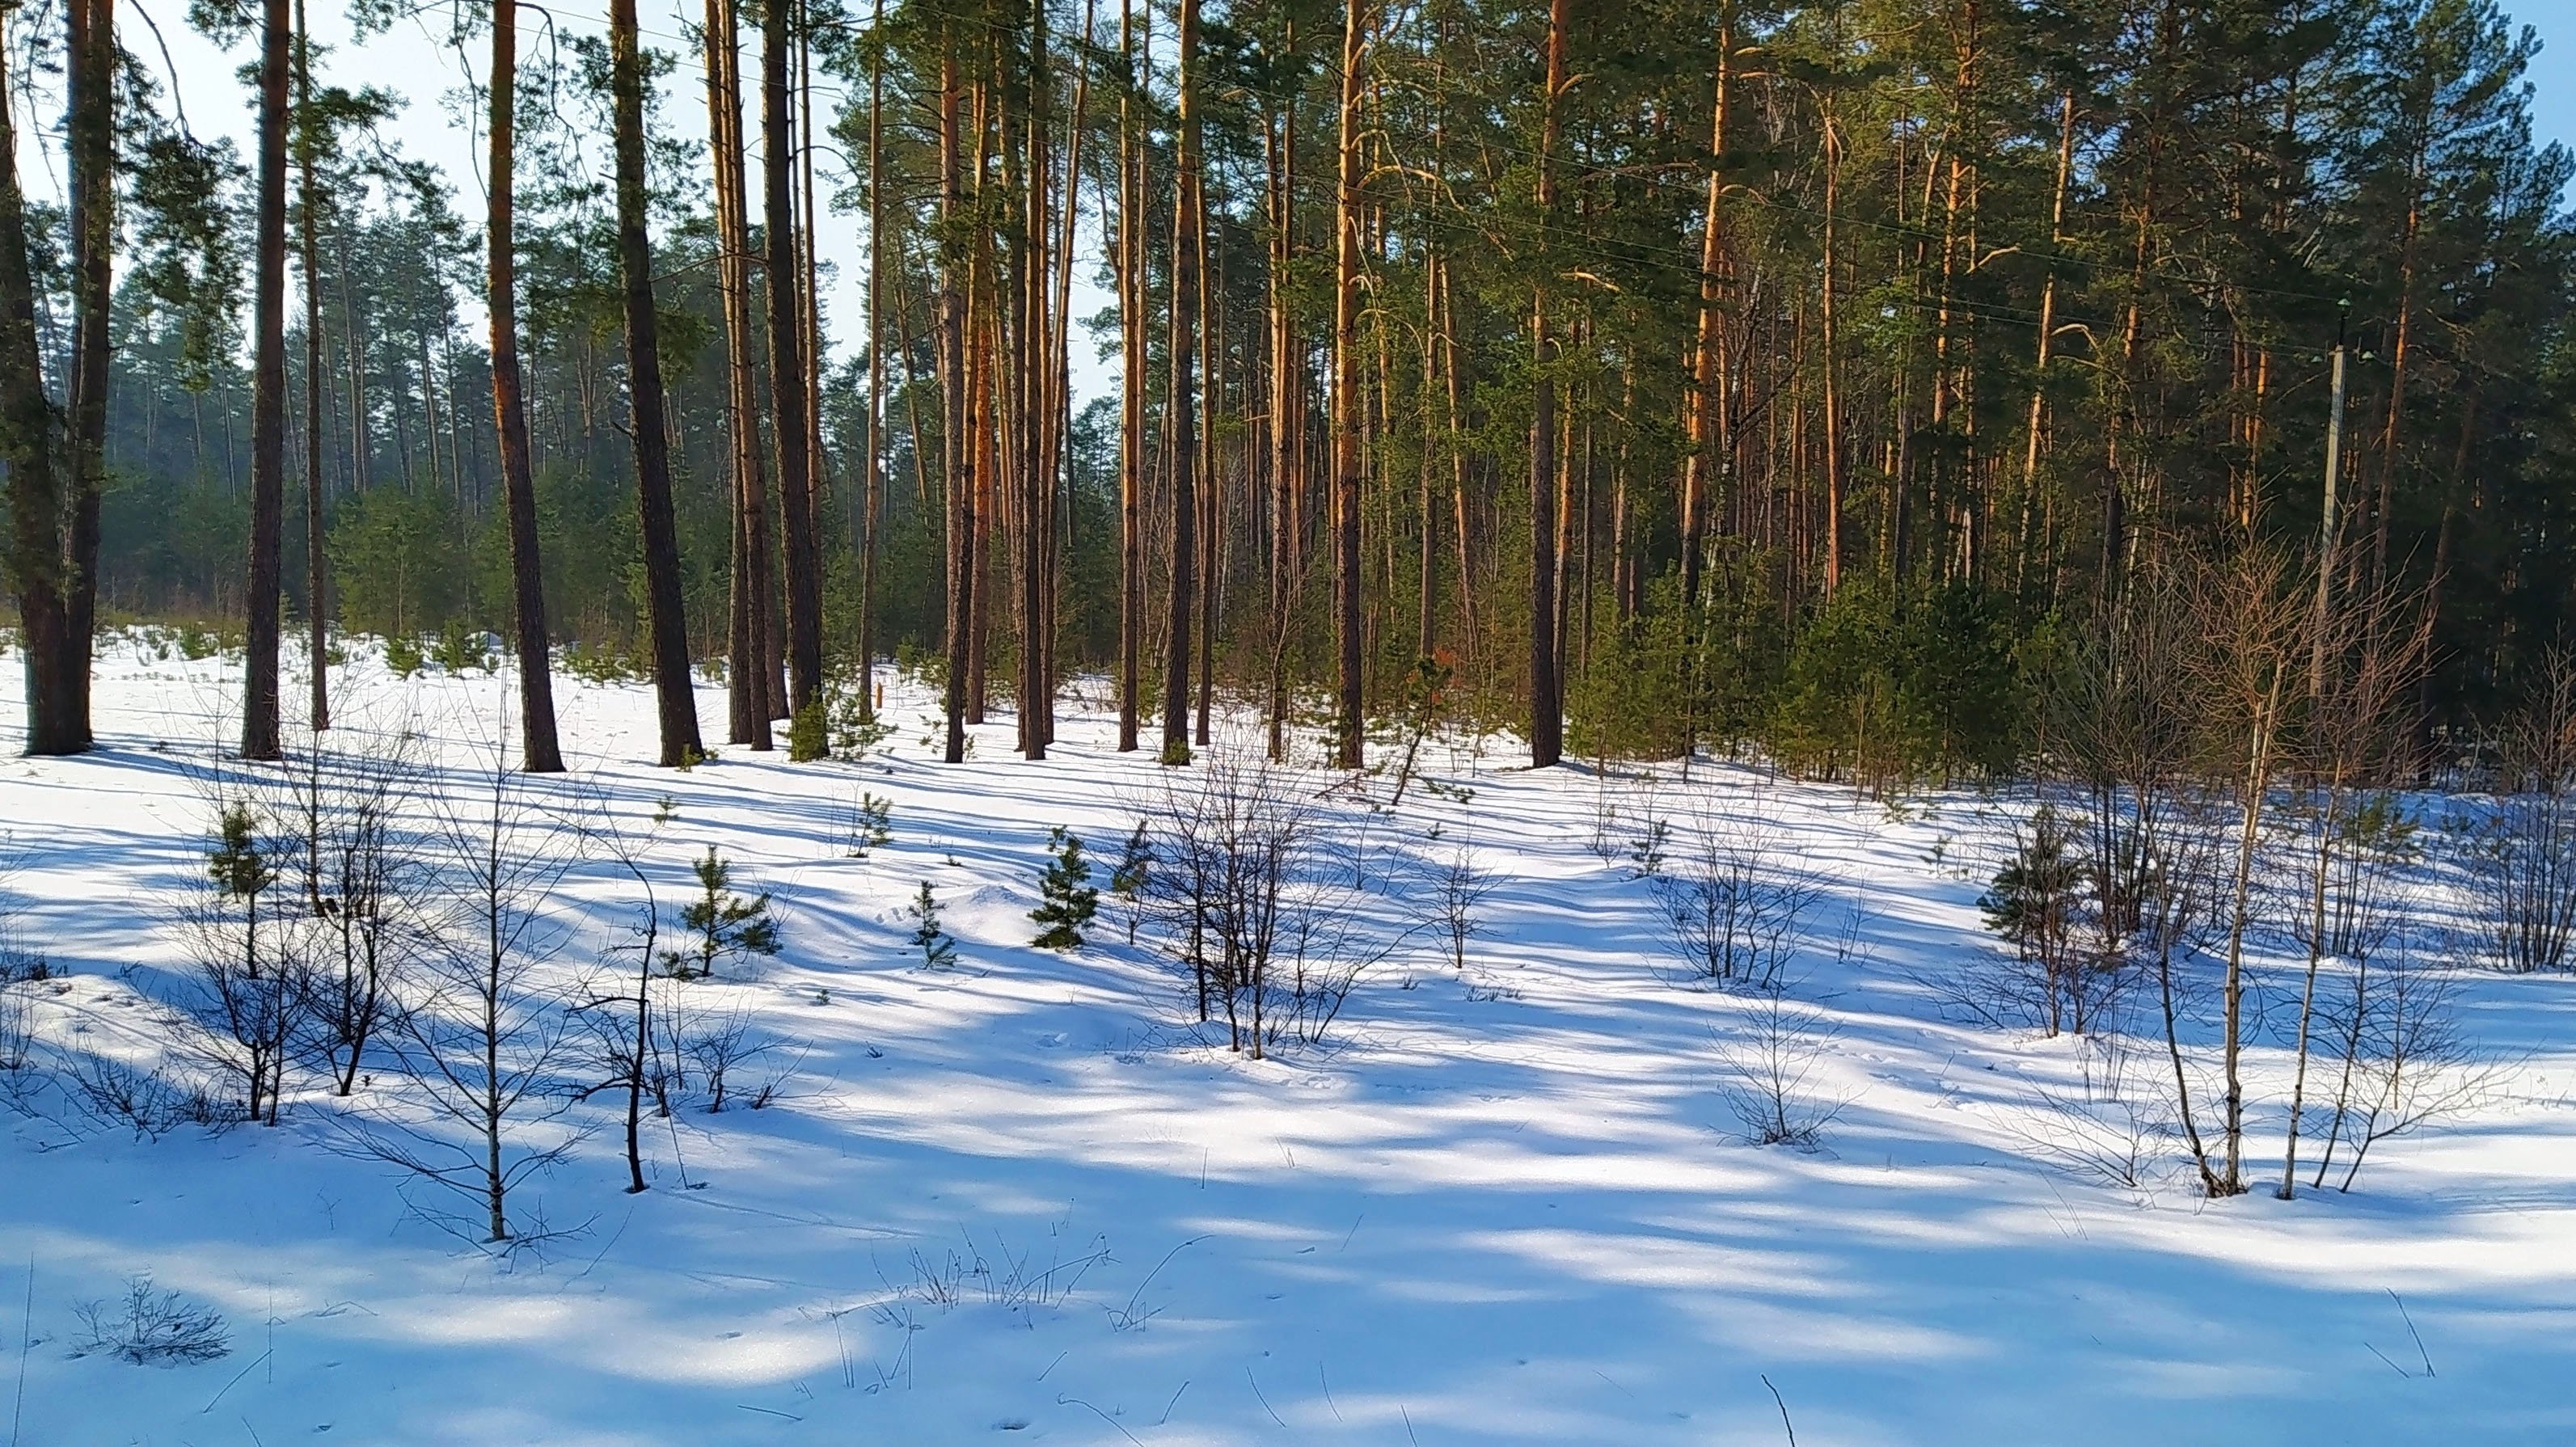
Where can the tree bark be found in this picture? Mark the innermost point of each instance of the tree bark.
(1132, 230)
(787, 363)
(957, 447)
(1547, 712)
(28, 446)
(1348, 726)
(92, 132)
(1706, 416)
(540, 753)
(268, 395)
(749, 683)
(1183, 401)
(1029, 355)
(672, 683)
(316, 575)
(872, 503)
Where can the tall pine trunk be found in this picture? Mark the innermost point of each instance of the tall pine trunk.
(309, 201)
(787, 362)
(28, 445)
(872, 502)
(1132, 229)
(1183, 401)
(259, 738)
(1347, 408)
(92, 131)
(957, 447)
(750, 682)
(670, 638)
(539, 750)
(1029, 356)
(1547, 712)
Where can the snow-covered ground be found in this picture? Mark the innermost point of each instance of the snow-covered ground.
(1027, 1197)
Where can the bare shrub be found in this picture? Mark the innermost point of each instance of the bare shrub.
(1332, 945)
(2522, 872)
(725, 1048)
(1456, 899)
(2109, 1130)
(483, 1038)
(368, 885)
(17, 1029)
(1732, 906)
(150, 1101)
(20, 962)
(152, 1328)
(1230, 846)
(2404, 1061)
(1251, 892)
(2521, 857)
(1772, 1082)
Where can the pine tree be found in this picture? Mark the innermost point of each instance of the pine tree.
(727, 925)
(1066, 900)
(1134, 868)
(871, 824)
(937, 949)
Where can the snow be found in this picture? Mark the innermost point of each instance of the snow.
(1028, 1198)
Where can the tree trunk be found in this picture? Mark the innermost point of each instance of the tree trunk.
(27, 445)
(1547, 711)
(748, 683)
(1348, 725)
(873, 484)
(958, 448)
(1706, 416)
(315, 572)
(541, 755)
(92, 134)
(1028, 355)
(1132, 230)
(787, 363)
(1286, 522)
(1183, 401)
(1826, 342)
(671, 680)
(268, 394)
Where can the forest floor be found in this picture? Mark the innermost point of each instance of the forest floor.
(1030, 1197)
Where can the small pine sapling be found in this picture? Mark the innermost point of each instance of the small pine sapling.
(2033, 905)
(937, 949)
(857, 731)
(727, 925)
(808, 735)
(871, 824)
(1128, 878)
(1066, 900)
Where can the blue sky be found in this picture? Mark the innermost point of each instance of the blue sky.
(2553, 75)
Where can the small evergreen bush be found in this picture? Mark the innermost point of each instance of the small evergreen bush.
(727, 925)
(1066, 900)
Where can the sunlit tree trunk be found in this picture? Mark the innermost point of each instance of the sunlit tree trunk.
(749, 682)
(783, 278)
(1347, 407)
(28, 445)
(1182, 404)
(1547, 710)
